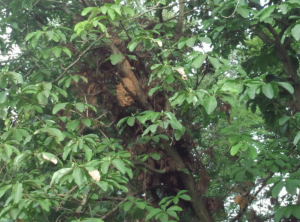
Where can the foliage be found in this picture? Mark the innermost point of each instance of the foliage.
(149, 110)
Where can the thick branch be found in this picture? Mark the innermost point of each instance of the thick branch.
(186, 177)
(125, 69)
(179, 26)
(189, 183)
(263, 36)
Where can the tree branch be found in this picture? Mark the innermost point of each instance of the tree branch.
(125, 69)
(148, 167)
(78, 58)
(179, 26)
(264, 183)
(113, 210)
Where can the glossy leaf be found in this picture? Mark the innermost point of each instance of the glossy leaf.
(277, 188)
(198, 61)
(268, 90)
(210, 104)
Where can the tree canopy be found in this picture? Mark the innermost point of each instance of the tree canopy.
(149, 110)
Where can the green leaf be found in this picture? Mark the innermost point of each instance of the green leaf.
(235, 149)
(175, 208)
(283, 8)
(179, 133)
(127, 205)
(287, 86)
(102, 27)
(58, 107)
(104, 9)
(152, 213)
(3, 189)
(291, 186)
(266, 12)
(205, 39)
(283, 120)
(105, 167)
(163, 217)
(254, 172)
(210, 103)
(267, 89)
(296, 211)
(53, 132)
(17, 192)
(45, 204)
(277, 188)
(111, 13)
(140, 205)
(77, 175)
(117, 8)
(103, 185)
(18, 78)
(279, 213)
(155, 156)
(185, 197)
(252, 152)
(3, 113)
(244, 12)
(128, 10)
(296, 32)
(72, 125)
(252, 91)
(190, 42)
(132, 45)
(215, 62)
(6, 210)
(56, 51)
(58, 175)
(14, 25)
(115, 58)
(88, 153)
(67, 51)
(29, 36)
(176, 125)
(79, 106)
(296, 138)
(87, 122)
(170, 79)
(2, 97)
(119, 164)
(38, 109)
(198, 61)
(153, 90)
(122, 121)
(172, 214)
(86, 11)
(181, 44)
(130, 121)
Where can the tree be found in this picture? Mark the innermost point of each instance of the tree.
(112, 111)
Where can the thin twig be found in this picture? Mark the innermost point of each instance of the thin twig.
(73, 63)
(238, 2)
(113, 210)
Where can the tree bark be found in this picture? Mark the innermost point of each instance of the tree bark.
(197, 200)
(180, 21)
